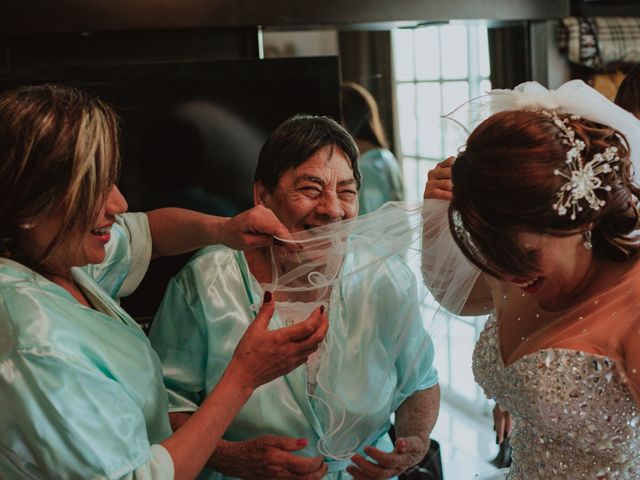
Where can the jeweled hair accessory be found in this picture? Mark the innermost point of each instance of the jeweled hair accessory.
(583, 179)
(463, 234)
(572, 98)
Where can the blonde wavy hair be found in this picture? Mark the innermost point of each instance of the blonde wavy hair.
(59, 153)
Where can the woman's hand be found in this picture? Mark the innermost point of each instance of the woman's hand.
(408, 451)
(502, 424)
(439, 183)
(261, 356)
(264, 355)
(268, 456)
(254, 228)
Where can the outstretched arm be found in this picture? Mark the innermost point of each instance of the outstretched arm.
(415, 420)
(176, 230)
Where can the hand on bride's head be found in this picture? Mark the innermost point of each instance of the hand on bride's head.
(439, 185)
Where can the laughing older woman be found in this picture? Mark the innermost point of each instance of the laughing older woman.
(307, 174)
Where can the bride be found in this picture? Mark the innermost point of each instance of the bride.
(543, 203)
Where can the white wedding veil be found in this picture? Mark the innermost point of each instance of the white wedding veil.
(572, 98)
(366, 271)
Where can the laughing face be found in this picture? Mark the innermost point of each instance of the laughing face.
(83, 247)
(563, 264)
(317, 192)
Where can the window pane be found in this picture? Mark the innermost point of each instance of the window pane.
(454, 49)
(441, 359)
(454, 94)
(427, 53)
(409, 172)
(429, 123)
(403, 54)
(407, 118)
(483, 51)
(461, 341)
(437, 69)
(485, 86)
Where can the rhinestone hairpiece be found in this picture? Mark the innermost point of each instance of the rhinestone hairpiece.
(583, 179)
(464, 235)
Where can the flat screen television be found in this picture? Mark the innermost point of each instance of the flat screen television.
(191, 131)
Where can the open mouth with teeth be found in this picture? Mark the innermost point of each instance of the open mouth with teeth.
(530, 286)
(103, 234)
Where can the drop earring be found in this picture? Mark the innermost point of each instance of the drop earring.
(586, 236)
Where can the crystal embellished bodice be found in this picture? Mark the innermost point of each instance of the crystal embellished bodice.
(574, 415)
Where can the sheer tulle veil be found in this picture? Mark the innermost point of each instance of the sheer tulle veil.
(366, 271)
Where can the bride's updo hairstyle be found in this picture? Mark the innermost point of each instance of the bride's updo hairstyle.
(504, 183)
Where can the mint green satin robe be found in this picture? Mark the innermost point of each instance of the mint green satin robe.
(81, 392)
(381, 180)
(208, 307)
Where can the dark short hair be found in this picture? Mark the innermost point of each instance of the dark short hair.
(504, 183)
(297, 139)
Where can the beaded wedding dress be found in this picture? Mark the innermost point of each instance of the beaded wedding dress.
(574, 416)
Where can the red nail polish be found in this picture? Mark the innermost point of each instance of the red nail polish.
(302, 442)
(267, 297)
(321, 309)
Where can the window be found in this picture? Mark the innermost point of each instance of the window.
(437, 68)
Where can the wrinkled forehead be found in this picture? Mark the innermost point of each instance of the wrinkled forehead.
(328, 163)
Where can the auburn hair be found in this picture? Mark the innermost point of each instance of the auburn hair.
(504, 183)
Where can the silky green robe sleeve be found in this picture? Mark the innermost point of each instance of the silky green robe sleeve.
(411, 345)
(69, 421)
(179, 336)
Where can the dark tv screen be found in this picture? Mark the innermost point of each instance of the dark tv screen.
(191, 131)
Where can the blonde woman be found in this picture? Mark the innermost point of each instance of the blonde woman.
(82, 391)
